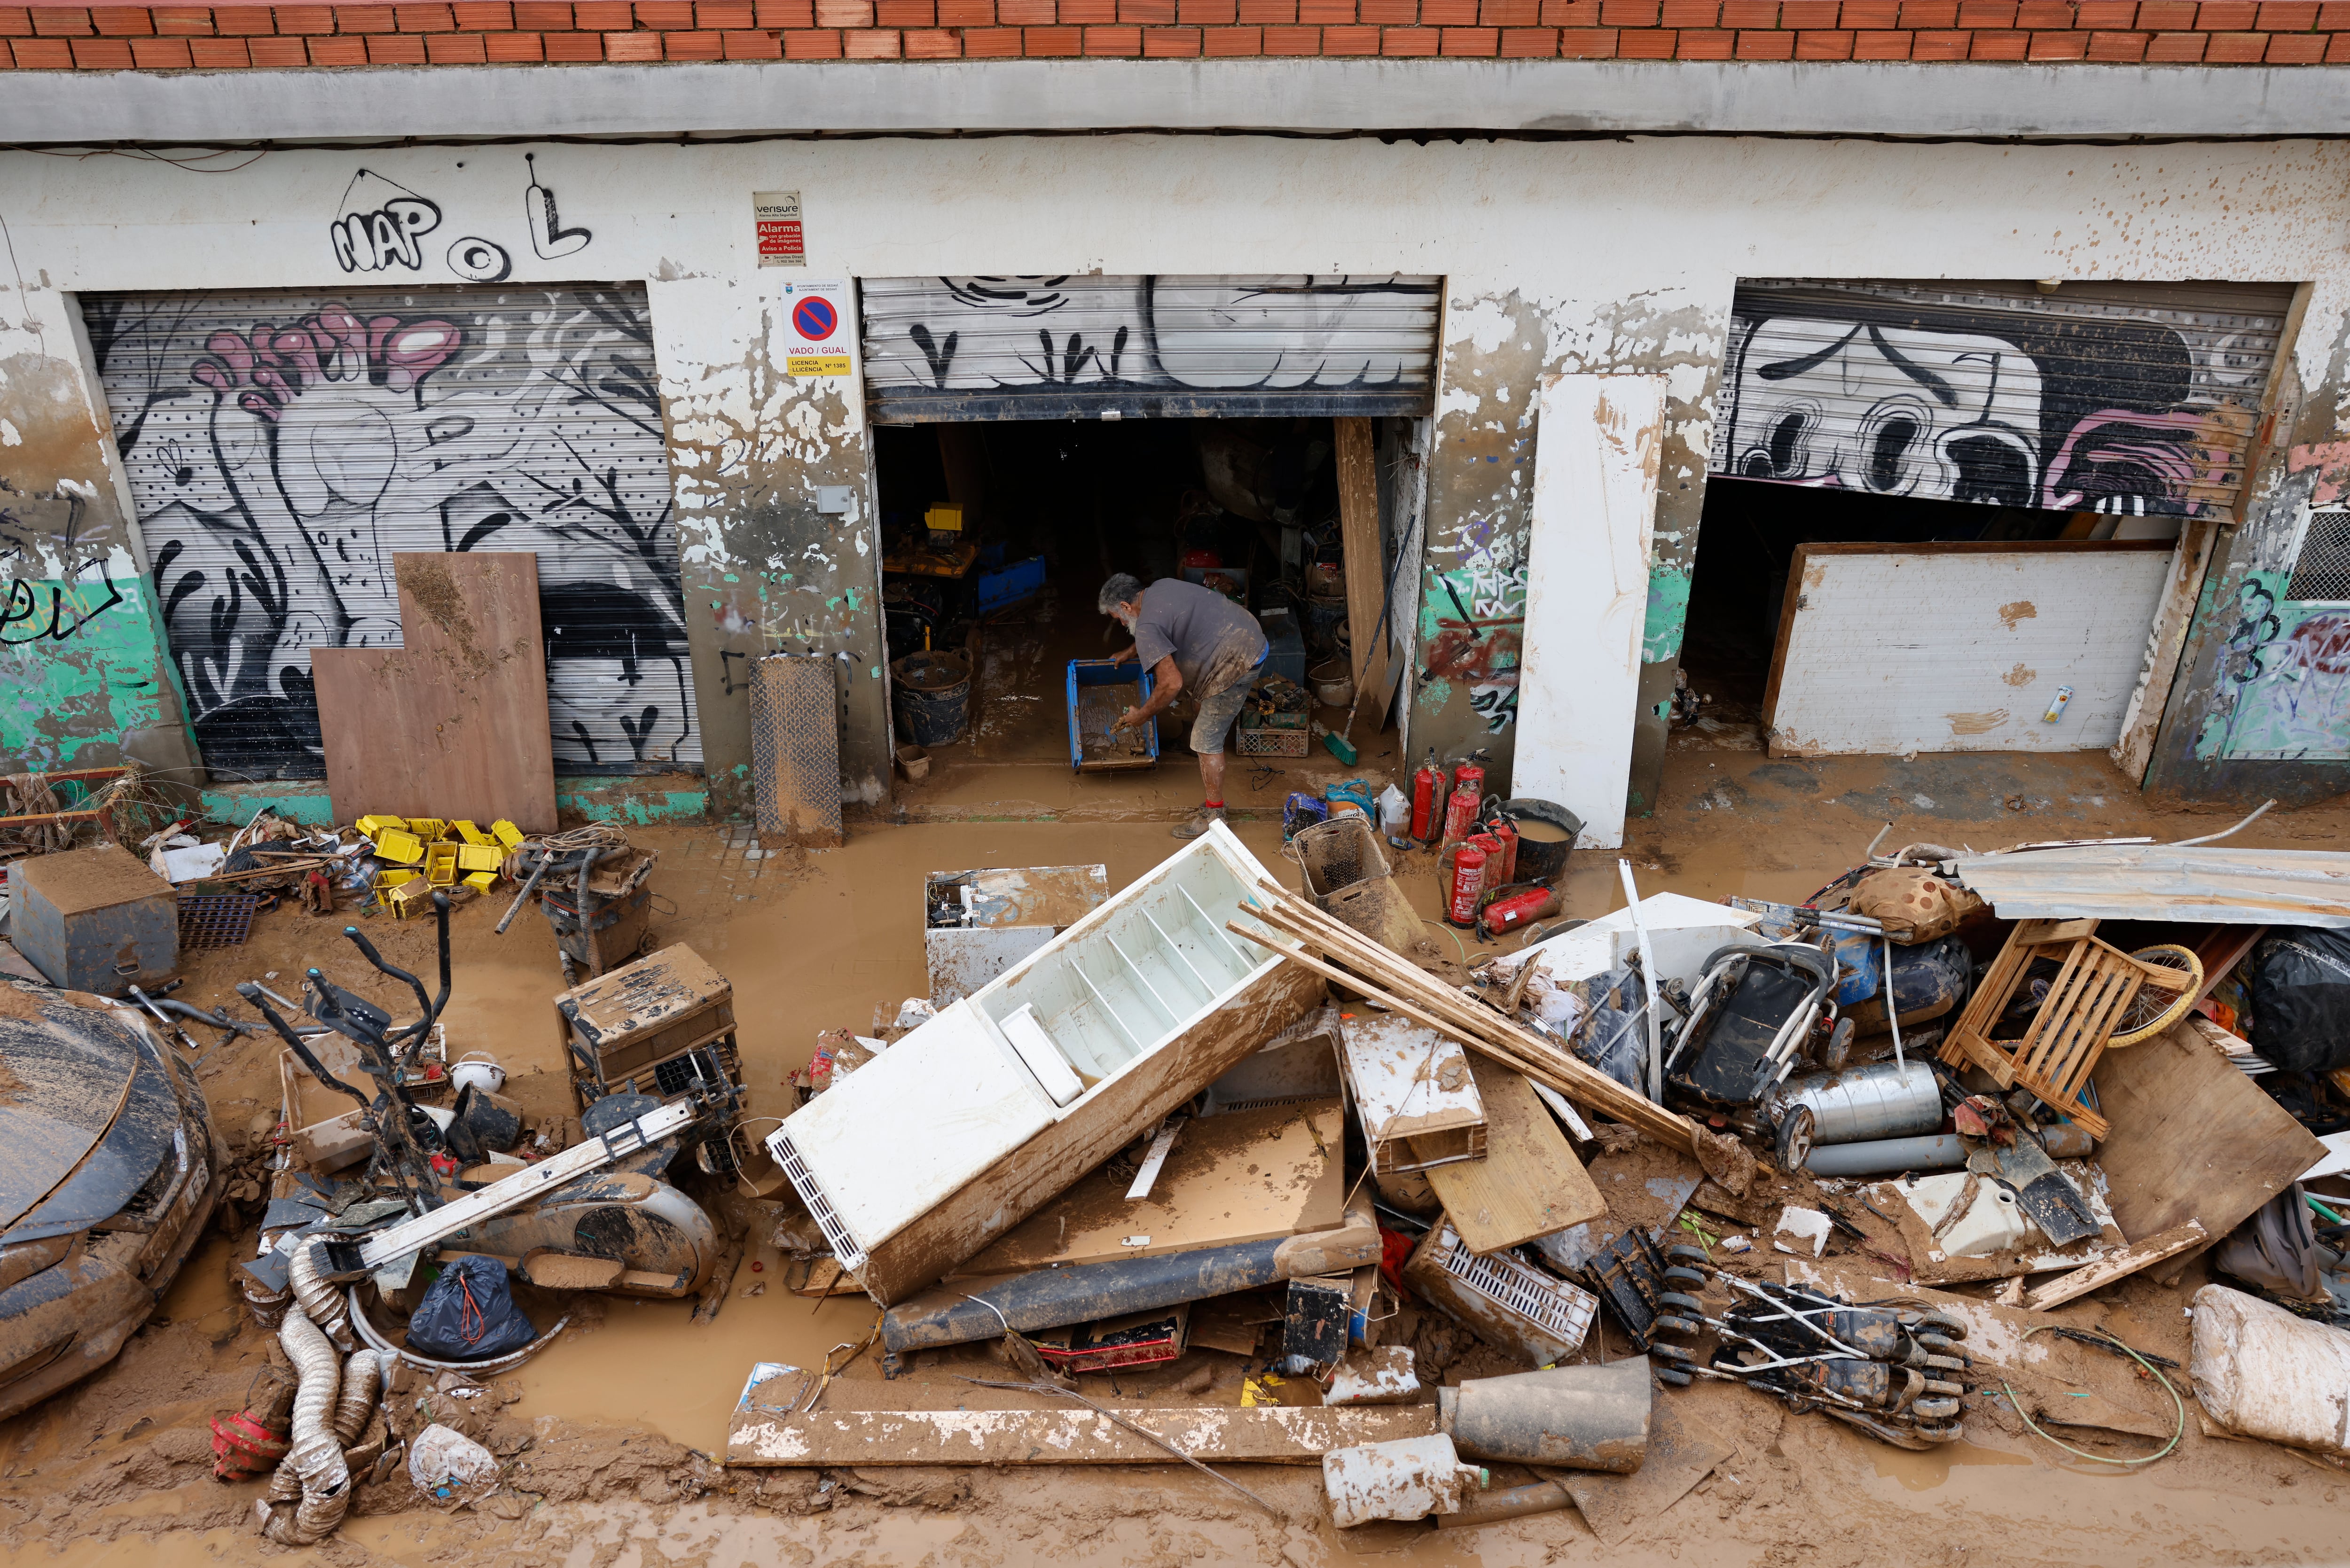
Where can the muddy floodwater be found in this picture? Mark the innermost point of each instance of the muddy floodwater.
(613, 1433)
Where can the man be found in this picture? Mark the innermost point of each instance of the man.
(1191, 639)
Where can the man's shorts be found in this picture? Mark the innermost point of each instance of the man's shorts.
(1217, 711)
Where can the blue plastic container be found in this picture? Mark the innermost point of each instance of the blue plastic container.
(1014, 584)
(1091, 673)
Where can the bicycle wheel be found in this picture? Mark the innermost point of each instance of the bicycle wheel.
(2155, 1008)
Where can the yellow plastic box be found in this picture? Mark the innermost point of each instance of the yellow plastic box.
(468, 833)
(480, 857)
(374, 823)
(485, 880)
(427, 828)
(946, 517)
(507, 834)
(441, 863)
(400, 847)
(413, 897)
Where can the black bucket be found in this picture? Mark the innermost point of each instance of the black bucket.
(1542, 860)
(934, 692)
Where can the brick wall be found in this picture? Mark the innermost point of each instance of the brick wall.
(249, 35)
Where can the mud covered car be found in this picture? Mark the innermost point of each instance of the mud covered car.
(109, 1170)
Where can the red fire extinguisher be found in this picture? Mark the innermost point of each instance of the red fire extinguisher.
(1503, 828)
(1468, 882)
(1512, 907)
(1427, 799)
(1468, 795)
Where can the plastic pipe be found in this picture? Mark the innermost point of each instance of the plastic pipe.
(1943, 1151)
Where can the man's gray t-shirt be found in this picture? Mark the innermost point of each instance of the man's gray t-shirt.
(1215, 642)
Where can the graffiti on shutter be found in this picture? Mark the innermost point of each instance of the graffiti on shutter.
(281, 448)
(2135, 399)
(1052, 347)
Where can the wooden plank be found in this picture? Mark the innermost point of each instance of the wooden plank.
(1597, 448)
(2192, 1137)
(2115, 1265)
(1364, 554)
(1974, 660)
(1529, 1184)
(759, 1435)
(1244, 1176)
(452, 723)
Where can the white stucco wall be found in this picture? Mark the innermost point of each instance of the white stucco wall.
(1576, 257)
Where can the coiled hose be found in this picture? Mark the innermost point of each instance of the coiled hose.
(314, 1466)
(356, 1404)
(321, 1303)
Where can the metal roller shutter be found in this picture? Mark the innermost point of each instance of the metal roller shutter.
(2134, 399)
(281, 446)
(942, 349)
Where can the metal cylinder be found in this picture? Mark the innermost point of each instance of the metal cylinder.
(1882, 1100)
(1493, 1506)
(1583, 1417)
(1944, 1151)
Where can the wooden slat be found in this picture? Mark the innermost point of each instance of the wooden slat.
(2048, 1023)
(1529, 1184)
(453, 722)
(1365, 558)
(761, 1435)
(2115, 1266)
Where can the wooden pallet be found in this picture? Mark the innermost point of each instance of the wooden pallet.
(2085, 1004)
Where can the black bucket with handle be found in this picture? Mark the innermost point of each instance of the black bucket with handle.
(1542, 860)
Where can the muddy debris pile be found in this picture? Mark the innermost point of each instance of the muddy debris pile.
(1222, 1169)
(1852, 1154)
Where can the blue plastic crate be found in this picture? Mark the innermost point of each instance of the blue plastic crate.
(1020, 581)
(1095, 672)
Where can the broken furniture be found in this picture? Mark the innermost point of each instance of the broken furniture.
(651, 1027)
(1529, 1184)
(94, 919)
(455, 719)
(1413, 1092)
(969, 1124)
(2092, 1003)
(598, 899)
(977, 924)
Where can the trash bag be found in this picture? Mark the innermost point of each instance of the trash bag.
(469, 1314)
(448, 1467)
(2276, 1248)
(2300, 999)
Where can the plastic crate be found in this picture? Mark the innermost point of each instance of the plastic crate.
(1272, 743)
(1091, 672)
(1015, 584)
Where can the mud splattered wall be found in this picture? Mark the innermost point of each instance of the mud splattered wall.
(82, 679)
(1593, 257)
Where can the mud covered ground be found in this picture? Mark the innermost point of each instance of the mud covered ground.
(611, 1431)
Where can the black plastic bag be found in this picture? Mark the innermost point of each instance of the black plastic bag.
(2300, 999)
(468, 1314)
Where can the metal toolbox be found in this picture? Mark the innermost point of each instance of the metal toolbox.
(94, 920)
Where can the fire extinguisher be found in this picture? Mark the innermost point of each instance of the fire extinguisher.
(1503, 828)
(1427, 799)
(1468, 795)
(1468, 882)
(1507, 908)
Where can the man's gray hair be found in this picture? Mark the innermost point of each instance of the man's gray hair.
(1124, 587)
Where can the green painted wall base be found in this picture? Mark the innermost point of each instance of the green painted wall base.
(625, 798)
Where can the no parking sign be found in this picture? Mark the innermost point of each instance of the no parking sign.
(815, 329)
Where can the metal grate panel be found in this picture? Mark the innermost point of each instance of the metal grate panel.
(796, 748)
(2320, 567)
(216, 920)
(844, 1249)
(1558, 1309)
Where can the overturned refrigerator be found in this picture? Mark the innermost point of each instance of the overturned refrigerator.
(965, 1126)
